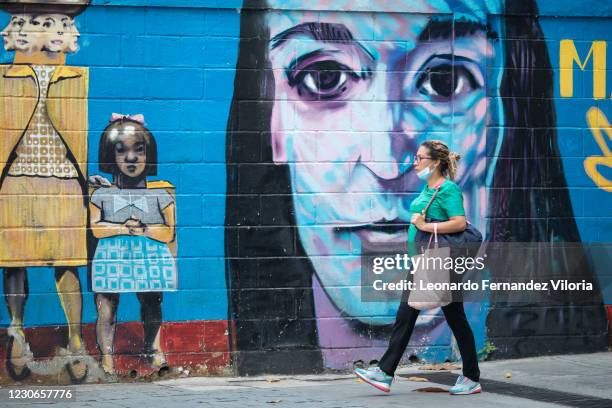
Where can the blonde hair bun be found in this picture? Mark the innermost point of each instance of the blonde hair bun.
(455, 156)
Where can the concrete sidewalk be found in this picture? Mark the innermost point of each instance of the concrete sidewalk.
(571, 380)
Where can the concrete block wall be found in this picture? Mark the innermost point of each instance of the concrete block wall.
(286, 130)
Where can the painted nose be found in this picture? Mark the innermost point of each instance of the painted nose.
(131, 158)
(391, 148)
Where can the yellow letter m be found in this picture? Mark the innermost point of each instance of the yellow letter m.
(568, 55)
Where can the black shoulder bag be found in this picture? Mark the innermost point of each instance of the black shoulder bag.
(465, 242)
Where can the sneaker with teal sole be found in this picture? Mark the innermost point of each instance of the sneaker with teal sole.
(375, 377)
(465, 386)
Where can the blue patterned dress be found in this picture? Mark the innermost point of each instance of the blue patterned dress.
(126, 263)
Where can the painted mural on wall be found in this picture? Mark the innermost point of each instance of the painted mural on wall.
(328, 110)
(46, 206)
(44, 155)
(570, 59)
(134, 222)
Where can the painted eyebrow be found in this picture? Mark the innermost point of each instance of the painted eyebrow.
(324, 32)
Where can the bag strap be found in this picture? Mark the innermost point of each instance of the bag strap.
(435, 234)
(436, 189)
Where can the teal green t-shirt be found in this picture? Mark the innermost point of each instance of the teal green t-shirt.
(448, 203)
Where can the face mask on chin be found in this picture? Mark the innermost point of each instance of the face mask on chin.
(425, 173)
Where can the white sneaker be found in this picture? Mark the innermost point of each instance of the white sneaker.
(465, 386)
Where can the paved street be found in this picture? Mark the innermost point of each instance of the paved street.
(571, 380)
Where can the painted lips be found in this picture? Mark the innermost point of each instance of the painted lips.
(374, 235)
(381, 233)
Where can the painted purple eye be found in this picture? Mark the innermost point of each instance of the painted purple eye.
(323, 80)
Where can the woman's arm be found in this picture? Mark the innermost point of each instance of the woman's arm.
(454, 224)
(104, 229)
(163, 232)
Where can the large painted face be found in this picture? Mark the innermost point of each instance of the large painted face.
(355, 96)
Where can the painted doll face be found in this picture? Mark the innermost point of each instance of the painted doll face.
(130, 151)
(61, 34)
(72, 43)
(23, 33)
(355, 96)
(46, 32)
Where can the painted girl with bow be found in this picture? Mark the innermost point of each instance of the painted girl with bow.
(134, 222)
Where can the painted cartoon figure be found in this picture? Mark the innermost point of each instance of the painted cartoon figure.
(134, 222)
(346, 99)
(43, 212)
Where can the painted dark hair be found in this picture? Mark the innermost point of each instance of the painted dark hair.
(106, 151)
(269, 275)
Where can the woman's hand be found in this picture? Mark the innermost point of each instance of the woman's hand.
(135, 227)
(98, 181)
(418, 220)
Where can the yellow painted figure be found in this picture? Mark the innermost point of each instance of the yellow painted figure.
(43, 155)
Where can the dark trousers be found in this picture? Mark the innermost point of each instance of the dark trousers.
(402, 330)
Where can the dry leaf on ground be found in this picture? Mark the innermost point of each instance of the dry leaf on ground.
(439, 367)
(431, 389)
(417, 379)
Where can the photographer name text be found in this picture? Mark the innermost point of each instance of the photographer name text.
(485, 284)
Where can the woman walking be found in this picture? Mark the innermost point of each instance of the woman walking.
(436, 165)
